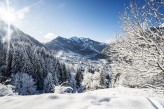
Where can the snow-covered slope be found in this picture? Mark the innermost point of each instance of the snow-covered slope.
(101, 99)
(82, 46)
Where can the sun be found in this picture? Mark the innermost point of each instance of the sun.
(7, 13)
(9, 16)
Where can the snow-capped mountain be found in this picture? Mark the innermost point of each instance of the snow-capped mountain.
(81, 46)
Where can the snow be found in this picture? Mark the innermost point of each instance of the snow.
(76, 39)
(94, 49)
(5, 90)
(155, 103)
(99, 99)
(162, 25)
(76, 60)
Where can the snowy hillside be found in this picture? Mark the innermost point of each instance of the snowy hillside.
(116, 98)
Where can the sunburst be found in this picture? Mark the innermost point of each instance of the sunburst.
(10, 16)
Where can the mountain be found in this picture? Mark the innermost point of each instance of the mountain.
(82, 46)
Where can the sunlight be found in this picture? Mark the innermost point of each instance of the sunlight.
(11, 16)
(7, 14)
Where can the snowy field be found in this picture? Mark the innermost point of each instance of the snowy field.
(116, 98)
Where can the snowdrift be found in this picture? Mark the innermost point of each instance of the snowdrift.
(117, 98)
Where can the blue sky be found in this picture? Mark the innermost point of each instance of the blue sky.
(46, 19)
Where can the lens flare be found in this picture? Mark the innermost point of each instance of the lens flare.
(8, 30)
(7, 14)
(10, 16)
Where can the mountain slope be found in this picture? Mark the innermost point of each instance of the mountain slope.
(81, 46)
(28, 57)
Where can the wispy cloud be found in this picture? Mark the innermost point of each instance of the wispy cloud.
(22, 13)
(49, 36)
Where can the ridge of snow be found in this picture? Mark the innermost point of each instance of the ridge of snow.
(94, 49)
(76, 39)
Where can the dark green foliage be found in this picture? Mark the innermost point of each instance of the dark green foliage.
(78, 78)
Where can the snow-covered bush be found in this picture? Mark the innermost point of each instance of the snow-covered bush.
(93, 81)
(63, 89)
(5, 90)
(24, 84)
(87, 80)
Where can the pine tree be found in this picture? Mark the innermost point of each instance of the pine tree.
(48, 84)
(79, 78)
(102, 80)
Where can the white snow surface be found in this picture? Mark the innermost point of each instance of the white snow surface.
(113, 98)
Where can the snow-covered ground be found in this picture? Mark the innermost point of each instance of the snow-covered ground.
(116, 98)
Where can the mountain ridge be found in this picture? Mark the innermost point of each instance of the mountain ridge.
(82, 46)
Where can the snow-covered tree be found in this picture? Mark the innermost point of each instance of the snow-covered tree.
(93, 81)
(138, 57)
(87, 80)
(103, 81)
(24, 84)
(79, 78)
(72, 80)
(48, 84)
